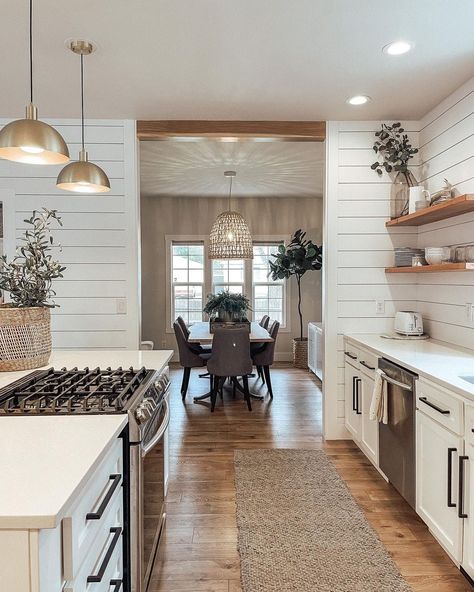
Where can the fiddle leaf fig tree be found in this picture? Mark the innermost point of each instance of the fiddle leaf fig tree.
(295, 259)
(28, 277)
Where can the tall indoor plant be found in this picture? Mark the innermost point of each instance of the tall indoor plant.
(25, 322)
(394, 151)
(295, 259)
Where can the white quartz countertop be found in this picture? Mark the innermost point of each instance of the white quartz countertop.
(435, 360)
(45, 461)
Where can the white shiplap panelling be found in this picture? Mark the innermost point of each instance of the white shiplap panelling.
(357, 207)
(99, 236)
(447, 151)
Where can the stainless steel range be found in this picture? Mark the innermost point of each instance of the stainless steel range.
(143, 395)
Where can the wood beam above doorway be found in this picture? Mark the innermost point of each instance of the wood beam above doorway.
(290, 131)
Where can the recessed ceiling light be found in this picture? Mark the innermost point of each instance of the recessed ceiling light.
(358, 100)
(397, 48)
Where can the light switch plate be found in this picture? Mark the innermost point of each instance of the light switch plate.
(380, 307)
(121, 304)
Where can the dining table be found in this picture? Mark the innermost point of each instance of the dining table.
(200, 333)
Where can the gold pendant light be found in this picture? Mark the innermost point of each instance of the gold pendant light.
(28, 140)
(230, 236)
(83, 176)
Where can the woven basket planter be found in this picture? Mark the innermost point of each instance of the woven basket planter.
(300, 353)
(25, 337)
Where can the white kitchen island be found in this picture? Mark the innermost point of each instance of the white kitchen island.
(53, 470)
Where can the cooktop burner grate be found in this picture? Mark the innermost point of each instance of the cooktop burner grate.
(72, 391)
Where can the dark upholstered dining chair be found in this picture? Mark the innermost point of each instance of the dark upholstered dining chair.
(264, 357)
(183, 326)
(188, 357)
(230, 358)
(264, 321)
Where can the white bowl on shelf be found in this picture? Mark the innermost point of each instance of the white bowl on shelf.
(436, 255)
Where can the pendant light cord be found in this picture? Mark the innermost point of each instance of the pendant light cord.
(82, 100)
(230, 193)
(31, 51)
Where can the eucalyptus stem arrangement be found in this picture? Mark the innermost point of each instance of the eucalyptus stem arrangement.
(28, 277)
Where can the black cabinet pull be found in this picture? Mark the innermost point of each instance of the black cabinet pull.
(358, 411)
(354, 408)
(116, 531)
(117, 585)
(351, 356)
(366, 365)
(461, 512)
(450, 502)
(435, 407)
(115, 480)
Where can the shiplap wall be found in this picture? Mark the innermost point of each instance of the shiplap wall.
(99, 236)
(357, 207)
(447, 151)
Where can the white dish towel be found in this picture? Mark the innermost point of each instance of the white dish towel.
(378, 406)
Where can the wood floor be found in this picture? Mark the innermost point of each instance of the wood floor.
(199, 551)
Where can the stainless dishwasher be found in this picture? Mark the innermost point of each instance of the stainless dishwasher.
(397, 437)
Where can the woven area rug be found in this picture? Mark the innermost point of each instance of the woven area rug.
(300, 529)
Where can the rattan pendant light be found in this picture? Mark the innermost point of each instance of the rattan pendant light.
(83, 176)
(28, 140)
(230, 236)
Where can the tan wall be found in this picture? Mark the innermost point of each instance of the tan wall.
(161, 216)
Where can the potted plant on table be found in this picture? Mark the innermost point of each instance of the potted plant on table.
(25, 322)
(295, 259)
(394, 151)
(226, 307)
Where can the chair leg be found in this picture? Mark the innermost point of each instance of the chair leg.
(234, 387)
(214, 389)
(245, 380)
(221, 387)
(185, 383)
(266, 370)
(260, 373)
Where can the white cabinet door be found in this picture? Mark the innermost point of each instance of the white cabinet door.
(369, 428)
(352, 401)
(468, 494)
(318, 341)
(437, 453)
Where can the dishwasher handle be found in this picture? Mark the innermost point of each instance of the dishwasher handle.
(406, 387)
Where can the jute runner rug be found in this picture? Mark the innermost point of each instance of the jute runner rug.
(300, 529)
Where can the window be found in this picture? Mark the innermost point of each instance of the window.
(187, 281)
(268, 295)
(228, 274)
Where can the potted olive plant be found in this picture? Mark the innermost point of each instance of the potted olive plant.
(25, 322)
(295, 259)
(226, 307)
(394, 151)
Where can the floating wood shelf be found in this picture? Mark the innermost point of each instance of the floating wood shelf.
(432, 268)
(447, 209)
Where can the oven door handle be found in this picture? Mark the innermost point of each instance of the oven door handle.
(159, 434)
(406, 387)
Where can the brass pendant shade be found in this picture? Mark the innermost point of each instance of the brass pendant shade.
(230, 236)
(83, 176)
(28, 140)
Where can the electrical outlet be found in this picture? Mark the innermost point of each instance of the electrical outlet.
(380, 307)
(121, 305)
(163, 344)
(469, 312)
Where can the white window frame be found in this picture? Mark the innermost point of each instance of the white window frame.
(229, 284)
(248, 283)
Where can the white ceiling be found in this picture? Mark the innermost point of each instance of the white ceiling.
(237, 59)
(264, 169)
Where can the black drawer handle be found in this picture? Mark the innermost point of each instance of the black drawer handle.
(366, 365)
(461, 512)
(435, 407)
(450, 502)
(351, 356)
(358, 411)
(115, 480)
(354, 406)
(116, 531)
(117, 585)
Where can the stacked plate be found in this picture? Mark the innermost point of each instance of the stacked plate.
(404, 255)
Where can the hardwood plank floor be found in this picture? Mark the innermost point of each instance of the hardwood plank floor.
(199, 550)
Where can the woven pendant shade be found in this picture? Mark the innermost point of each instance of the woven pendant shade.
(230, 238)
